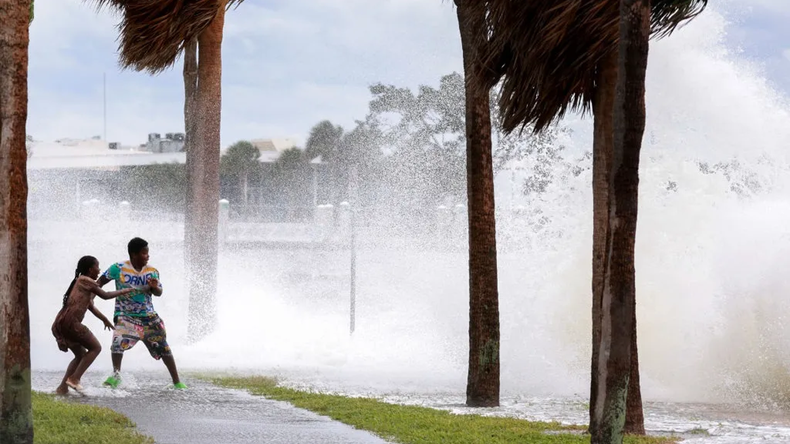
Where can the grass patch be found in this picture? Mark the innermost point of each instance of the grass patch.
(698, 431)
(59, 422)
(419, 425)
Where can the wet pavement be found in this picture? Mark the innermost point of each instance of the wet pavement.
(206, 414)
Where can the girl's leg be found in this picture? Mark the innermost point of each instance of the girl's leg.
(79, 353)
(94, 348)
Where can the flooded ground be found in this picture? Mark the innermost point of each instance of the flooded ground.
(693, 422)
(203, 411)
(206, 414)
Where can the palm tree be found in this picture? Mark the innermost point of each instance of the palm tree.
(326, 140)
(240, 160)
(153, 35)
(482, 386)
(555, 57)
(291, 174)
(16, 418)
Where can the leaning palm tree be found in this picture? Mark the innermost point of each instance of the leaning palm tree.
(153, 35)
(561, 56)
(482, 386)
(16, 418)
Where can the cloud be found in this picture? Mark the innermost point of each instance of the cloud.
(286, 65)
(774, 6)
(786, 54)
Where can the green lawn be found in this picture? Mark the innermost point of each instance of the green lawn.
(56, 421)
(419, 425)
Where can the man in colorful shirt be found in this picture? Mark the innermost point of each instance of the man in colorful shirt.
(135, 318)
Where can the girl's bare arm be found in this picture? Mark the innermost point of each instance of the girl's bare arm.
(95, 289)
(99, 315)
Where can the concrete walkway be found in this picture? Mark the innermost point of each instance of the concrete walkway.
(206, 414)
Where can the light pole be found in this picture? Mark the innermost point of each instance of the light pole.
(314, 163)
(353, 191)
(104, 99)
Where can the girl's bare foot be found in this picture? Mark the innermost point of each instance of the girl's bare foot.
(62, 389)
(74, 384)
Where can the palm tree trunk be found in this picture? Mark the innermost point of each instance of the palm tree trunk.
(16, 418)
(634, 414)
(201, 234)
(482, 388)
(603, 110)
(190, 140)
(603, 145)
(619, 286)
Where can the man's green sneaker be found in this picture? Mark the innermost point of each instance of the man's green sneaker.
(114, 380)
(180, 386)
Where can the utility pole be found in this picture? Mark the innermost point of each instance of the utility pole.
(104, 82)
(353, 190)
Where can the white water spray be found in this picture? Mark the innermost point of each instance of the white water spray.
(712, 286)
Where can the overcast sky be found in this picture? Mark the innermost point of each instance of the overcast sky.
(289, 63)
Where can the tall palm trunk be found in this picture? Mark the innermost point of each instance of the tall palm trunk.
(203, 210)
(190, 140)
(16, 418)
(190, 94)
(634, 414)
(482, 389)
(603, 145)
(619, 283)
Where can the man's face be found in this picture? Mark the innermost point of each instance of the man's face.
(141, 258)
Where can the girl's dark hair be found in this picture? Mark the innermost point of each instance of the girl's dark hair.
(83, 266)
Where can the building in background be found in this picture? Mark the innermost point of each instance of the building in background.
(172, 143)
(65, 173)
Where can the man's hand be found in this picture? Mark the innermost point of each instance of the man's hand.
(108, 325)
(153, 283)
(102, 281)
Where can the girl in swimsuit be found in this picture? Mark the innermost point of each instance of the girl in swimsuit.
(68, 329)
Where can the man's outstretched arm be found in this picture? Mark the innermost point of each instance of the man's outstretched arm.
(102, 281)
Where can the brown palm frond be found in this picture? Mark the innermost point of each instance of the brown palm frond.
(546, 52)
(152, 33)
(667, 15)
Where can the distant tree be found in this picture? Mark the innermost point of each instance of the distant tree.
(424, 138)
(161, 185)
(362, 149)
(326, 140)
(292, 174)
(240, 160)
(410, 148)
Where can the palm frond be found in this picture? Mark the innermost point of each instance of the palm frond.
(546, 52)
(668, 15)
(153, 33)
